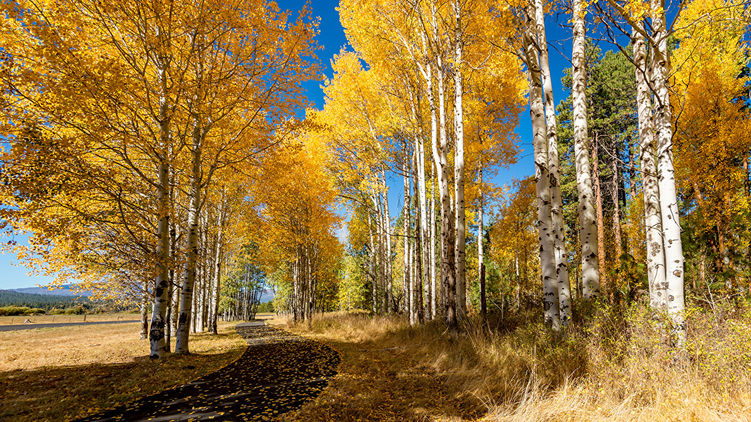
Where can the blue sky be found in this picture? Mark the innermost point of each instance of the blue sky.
(332, 39)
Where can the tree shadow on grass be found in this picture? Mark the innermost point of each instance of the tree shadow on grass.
(67, 392)
(278, 372)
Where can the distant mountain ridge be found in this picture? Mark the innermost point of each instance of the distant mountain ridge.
(64, 290)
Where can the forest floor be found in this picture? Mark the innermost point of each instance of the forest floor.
(516, 370)
(54, 374)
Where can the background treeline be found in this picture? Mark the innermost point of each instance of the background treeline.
(10, 297)
(58, 303)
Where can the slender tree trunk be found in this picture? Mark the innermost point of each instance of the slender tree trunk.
(373, 265)
(542, 179)
(671, 227)
(459, 223)
(652, 218)
(632, 190)
(145, 315)
(296, 282)
(600, 218)
(480, 251)
(590, 274)
(433, 291)
(411, 270)
(156, 332)
(381, 251)
(186, 300)
(194, 307)
(556, 204)
(436, 162)
(417, 257)
(447, 242)
(168, 322)
(176, 292)
(518, 277)
(632, 167)
(387, 299)
(174, 286)
(157, 343)
(408, 282)
(425, 248)
(616, 212)
(448, 273)
(203, 275)
(217, 272)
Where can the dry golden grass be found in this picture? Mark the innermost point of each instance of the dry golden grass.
(65, 373)
(46, 319)
(607, 369)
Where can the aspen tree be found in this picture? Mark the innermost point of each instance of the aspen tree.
(433, 284)
(590, 275)
(556, 204)
(459, 223)
(542, 180)
(671, 228)
(408, 281)
(480, 250)
(659, 81)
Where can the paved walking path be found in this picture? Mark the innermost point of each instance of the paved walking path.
(32, 326)
(277, 373)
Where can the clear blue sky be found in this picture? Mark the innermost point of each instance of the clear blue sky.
(332, 38)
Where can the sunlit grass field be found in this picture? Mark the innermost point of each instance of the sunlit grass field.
(54, 374)
(47, 319)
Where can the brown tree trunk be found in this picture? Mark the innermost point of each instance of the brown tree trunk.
(144, 316)
(617, 212)
(600, 219)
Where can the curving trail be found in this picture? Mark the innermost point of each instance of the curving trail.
(277, 373)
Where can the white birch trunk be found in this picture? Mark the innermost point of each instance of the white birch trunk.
(556, 204)
(671, 227)
(217, 272)
(542, 179)
(424, 234)
(590, 273)
(380, 262)
(419, 248)
(459, 223)
(373, 265)
(158, 314)
(388, 299)
(480, 250)
(448, 273)
(410, 269)
(408, 282)
(433, 290)
(186, 300)
(653, 221)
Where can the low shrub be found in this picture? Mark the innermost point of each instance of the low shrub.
(76, 310)
(20, 310)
